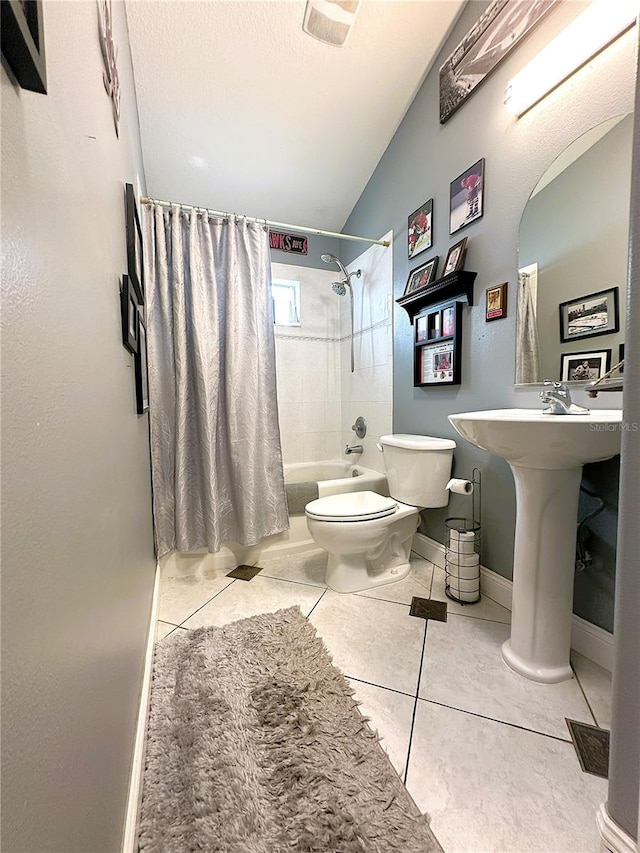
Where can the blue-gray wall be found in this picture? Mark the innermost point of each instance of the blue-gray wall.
(419, 164)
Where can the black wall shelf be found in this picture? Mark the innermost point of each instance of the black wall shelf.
(452, 286)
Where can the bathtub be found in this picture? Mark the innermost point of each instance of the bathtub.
(333, 477)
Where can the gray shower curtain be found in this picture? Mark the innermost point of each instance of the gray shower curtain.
(215, 440)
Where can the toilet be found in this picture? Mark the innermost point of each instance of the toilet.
(368, 536)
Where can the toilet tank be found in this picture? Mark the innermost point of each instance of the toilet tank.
(418, 468)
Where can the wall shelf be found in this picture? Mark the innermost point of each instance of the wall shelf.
(456, 284)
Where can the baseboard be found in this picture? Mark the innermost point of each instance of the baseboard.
(613, 839)
(130, 834)
(587, 639)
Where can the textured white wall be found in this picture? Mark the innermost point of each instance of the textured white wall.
(77, 553)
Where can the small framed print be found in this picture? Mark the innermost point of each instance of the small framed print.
(496, 302)
(23, 43)
(129, 307)
(466, 197)
(584, 366)
(448, 321)
(421, 328)
(437, 364)
(455, 257)
(421, 276)
(420, 229)
(135, 266)
(590, 316)
(141, 370)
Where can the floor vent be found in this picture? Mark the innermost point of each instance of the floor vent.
(428, 608)
(244, 573)
(592, 745)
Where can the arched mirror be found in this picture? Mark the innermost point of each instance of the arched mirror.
(572, 260)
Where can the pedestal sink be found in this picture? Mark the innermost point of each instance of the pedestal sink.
(546, 454)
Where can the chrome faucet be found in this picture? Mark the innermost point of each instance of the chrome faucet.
(558, 398)
(353, 448)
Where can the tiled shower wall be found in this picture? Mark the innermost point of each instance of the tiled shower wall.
(318, 397)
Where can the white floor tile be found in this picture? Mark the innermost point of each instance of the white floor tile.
(486, 608)
(391, 715)
(463, 668)
(163, 629)
(417, 583)
(492, 788)
(248, 598)
(374, 641)
(180, 597)
(309, 567)
(596, 683)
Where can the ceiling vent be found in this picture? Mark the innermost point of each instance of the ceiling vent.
(330, 20)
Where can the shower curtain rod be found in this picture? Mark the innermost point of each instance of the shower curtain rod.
(303, 228)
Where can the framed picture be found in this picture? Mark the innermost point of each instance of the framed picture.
(448, 321)
(135, 259)
(420, 230)
(621, 358)
(421, 328)
(421, 276)
(23, 43)
(496, 302)
(466, 197)
(142, 375)
(584, 366)
(129, 306)
(438, 363)
(589, 316)
(455, 257)
(498, 30)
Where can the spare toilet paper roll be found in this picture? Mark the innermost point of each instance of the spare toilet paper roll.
(457, 572)
(463, 559)
(460, 487)
(462, 546)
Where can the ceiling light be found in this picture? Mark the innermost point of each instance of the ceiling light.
(330, 20)
(596, 28)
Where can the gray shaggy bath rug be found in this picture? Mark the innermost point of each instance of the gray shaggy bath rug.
(256, 745)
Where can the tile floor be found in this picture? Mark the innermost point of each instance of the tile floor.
(486, 753)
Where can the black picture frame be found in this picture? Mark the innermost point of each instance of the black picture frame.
(23, 43)
(130, 312)
(584, 366)
(455, 257)
(494, 35)
(421, 276)
(466, 197)
(135, 254)
(621, 357)
(420, 230)
(496, 302)
(590, 316)
(438, 356)
(141, 367)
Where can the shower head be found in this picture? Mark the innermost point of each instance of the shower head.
(339, 287)
(332, 259)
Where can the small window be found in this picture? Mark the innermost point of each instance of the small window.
(286, 302)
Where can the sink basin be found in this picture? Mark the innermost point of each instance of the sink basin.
(531, 439)
(546, 454)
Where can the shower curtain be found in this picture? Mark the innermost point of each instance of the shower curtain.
(215, 440)
(527, 350)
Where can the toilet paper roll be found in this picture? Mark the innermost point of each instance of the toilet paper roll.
(457, 546)
(466, 573)
(465, 596)
(460, 487)
(462, 536)
(463, 559)
(459, 586)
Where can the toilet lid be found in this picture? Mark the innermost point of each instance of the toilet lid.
(352, 506)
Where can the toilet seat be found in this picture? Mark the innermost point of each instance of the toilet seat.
(352, 506)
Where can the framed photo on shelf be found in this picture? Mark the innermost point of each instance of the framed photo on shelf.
(129, 307)
(589, 316)
(466, 197)
(421, 328)
(448, 321)
(496, 307)
(421, 276)
(455, 257)
(135, 260)
(584, 366)
(23, 43)
(437, 364)
(420, 230)
(141, 371)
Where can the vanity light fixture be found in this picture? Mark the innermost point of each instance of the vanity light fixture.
(330, 20)
(593, 30)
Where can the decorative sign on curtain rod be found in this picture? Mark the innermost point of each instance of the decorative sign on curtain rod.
(284, 242)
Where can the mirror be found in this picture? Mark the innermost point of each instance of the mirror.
(572, 260)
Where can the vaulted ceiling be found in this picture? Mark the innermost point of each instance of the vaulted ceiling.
(240, 110)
